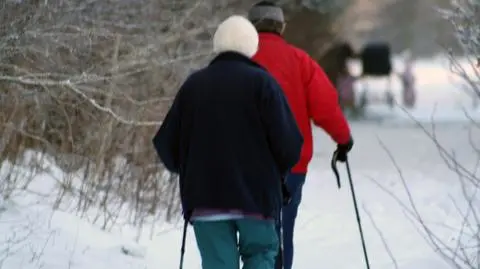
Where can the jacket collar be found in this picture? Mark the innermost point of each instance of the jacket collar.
(234, 57)
(271, 36)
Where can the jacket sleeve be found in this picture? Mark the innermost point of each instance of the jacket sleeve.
(283, 134)
(166, 140)
(322, 102)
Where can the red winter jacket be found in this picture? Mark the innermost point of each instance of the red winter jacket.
(309, 92)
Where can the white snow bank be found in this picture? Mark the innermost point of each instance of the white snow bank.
(36, 236)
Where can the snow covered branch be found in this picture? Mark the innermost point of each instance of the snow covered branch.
(461, 247)
(463, 16)
(83, 87)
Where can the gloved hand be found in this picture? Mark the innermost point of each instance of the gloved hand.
(343, 150)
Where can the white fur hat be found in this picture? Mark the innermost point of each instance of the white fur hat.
(237, 34)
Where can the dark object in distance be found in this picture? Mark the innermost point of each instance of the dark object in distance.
(376, 59)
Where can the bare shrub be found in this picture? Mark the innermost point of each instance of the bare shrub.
(87, 84)
(462, 249)
(463, 16)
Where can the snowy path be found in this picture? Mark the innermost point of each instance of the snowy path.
(327, 231)
(327, 235)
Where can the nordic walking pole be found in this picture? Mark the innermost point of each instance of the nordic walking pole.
(333, 163)
(280, 239)
(357, 213)
(184, 239)
(365, 254)
(286, 199)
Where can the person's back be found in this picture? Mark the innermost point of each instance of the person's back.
(222, 126)
(310, 93)
(407, 79)
(230, 135)
(311, 96)
(288, 71)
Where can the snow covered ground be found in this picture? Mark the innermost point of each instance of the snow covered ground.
(33, 236)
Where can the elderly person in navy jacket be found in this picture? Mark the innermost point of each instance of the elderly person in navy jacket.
(231, 137)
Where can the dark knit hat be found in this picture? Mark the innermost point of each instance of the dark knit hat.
(266, 10)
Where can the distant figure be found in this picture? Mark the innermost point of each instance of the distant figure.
(335, 60)
(345, 86)
(407, 78)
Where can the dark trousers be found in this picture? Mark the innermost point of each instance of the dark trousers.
(223, 243)
(295, 184)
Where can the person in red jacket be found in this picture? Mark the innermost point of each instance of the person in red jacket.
(311, 96)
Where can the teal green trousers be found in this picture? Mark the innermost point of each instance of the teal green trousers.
(223, 243)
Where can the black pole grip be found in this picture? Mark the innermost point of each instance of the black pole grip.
(333, 164)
